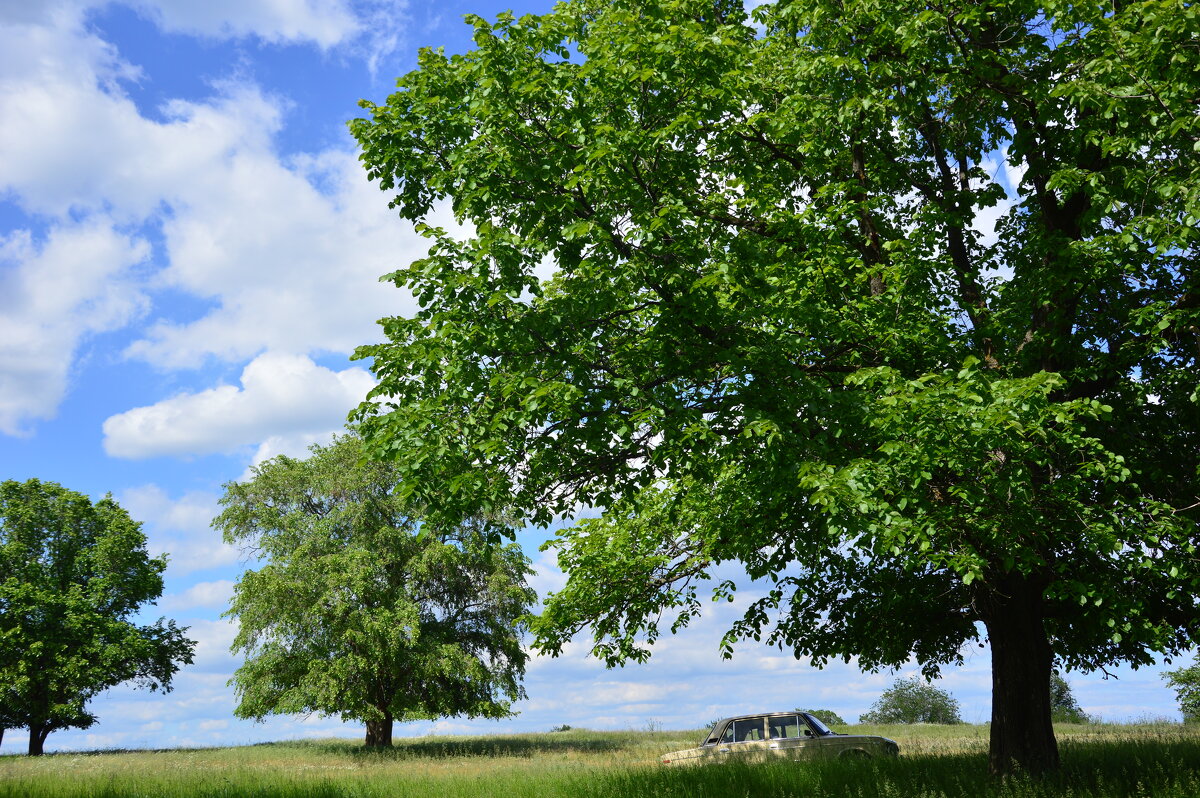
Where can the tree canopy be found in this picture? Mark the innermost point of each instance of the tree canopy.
(894, 304)
(354, 612)
(73, 573)
(1186, 684)
(1064, 708)
(913, 700)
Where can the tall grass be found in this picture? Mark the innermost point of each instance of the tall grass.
(1149, 761)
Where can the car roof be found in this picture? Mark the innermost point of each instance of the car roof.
(762, 715)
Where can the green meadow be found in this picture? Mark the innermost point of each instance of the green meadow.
(1142, 760)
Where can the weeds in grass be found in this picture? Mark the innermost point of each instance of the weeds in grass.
(1153, 761)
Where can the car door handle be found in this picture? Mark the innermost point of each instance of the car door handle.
(723, 750)
(773, 745)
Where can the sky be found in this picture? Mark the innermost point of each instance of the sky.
(189, 253)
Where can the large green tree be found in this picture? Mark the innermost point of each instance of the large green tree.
(73, 574)
(354, 612)
(800, 319)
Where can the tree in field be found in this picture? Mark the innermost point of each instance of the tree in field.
(782, 329)
(353, 613)
(1063, 706)
(826, 716)
(1186, 684)
(73, 573)
(913, 700)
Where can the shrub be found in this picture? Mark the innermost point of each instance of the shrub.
(826, 716)
(1063, 706)
(1186, 684)
(913, 701)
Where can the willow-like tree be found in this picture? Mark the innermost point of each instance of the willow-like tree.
(74, 575)
(353, 613)
(895, 304)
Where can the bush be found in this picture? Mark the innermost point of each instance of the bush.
(1186, 684)
(913, 701)
(1063, 706)
(826, 716)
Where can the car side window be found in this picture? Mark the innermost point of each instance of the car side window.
(727, 737)
(786, 726)
(747, 729)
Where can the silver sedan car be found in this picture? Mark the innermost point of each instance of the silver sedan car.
(778, 735)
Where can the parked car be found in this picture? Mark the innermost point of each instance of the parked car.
(778, 735)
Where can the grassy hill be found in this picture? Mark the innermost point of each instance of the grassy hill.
(1104, 761)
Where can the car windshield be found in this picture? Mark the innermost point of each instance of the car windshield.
(712, 736)
(817, 725)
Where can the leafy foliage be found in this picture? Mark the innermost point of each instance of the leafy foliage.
(73, 573)
(913, 701)
(353, 613)
(826, 716)
(1063, 706)
(782, 329)
(1186, 683)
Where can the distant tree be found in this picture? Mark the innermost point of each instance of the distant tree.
(354, 613)
(826, 716)
(73, 573)
(1186, 683)
(913, 701)
(1063, 706)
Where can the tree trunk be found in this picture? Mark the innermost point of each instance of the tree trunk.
(379, 732)
(1022, 736)
(1, 735)
(37, 738)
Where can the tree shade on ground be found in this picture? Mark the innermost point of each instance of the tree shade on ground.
(799, 320)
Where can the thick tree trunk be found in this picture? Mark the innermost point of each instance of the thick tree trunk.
(379, 733)
(37, 738)
(1022, 736)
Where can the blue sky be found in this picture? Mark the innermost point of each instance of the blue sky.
(189, 252)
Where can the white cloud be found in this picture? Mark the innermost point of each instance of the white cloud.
(202, 594)
(54, 293)
(287, 251)
(280, 395)
(289, 266)
(179, 528)
(326, 23)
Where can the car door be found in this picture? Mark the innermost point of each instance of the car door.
(789, 737)
(744, 740)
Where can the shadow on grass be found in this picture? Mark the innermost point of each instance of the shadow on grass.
(448, 747)
(1166, 766)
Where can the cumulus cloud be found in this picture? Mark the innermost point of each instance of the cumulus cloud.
(180, 528)
(199, 595)
(285, 250)
(324, 22)
(287, 264)
(280, 394)
(79, 281)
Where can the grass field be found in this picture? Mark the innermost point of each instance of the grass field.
(1104, 761)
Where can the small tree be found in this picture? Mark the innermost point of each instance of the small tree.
(1063, 706)
(354, 613)
(1186, 684)
(913, 701)
(72, 576)
(826, 716)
